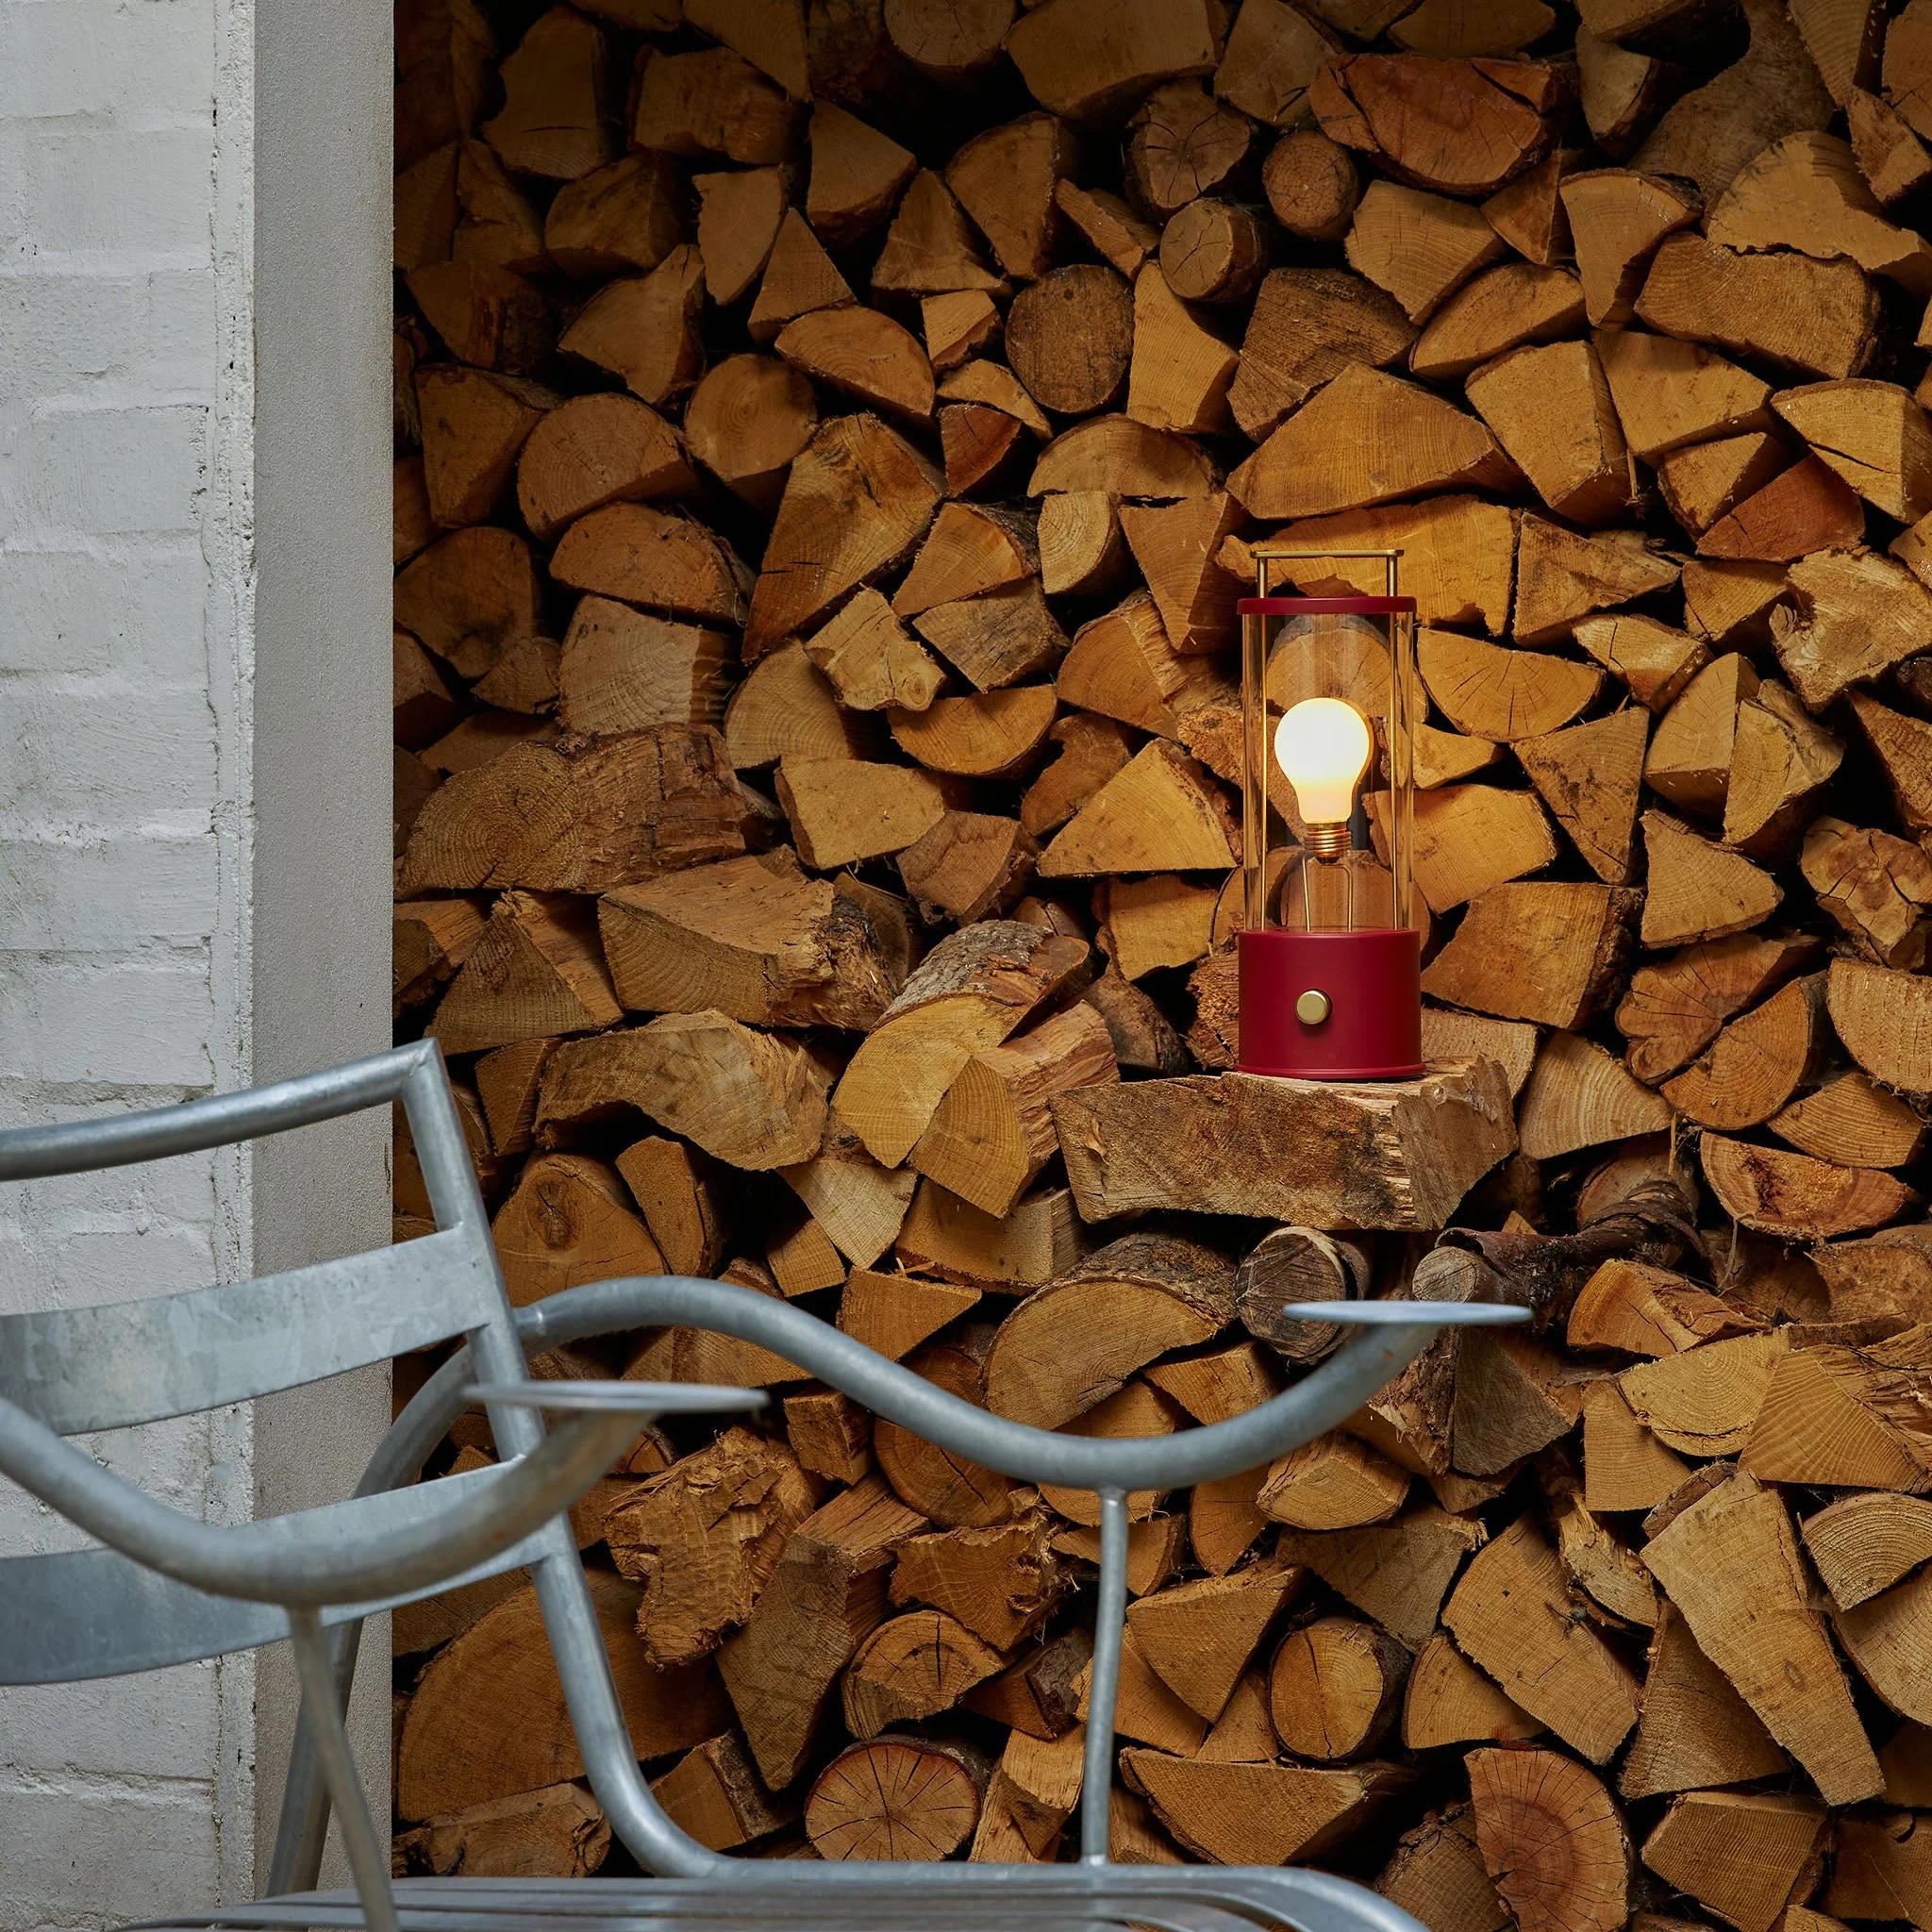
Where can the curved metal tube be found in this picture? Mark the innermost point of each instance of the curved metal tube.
(1313, 1405)
(118, 1141)
(272, 1561)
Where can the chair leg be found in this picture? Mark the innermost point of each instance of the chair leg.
(368, 1862)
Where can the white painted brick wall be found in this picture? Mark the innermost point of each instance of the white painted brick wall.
(124, 235)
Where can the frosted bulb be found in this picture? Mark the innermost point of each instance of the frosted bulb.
(1322, 744)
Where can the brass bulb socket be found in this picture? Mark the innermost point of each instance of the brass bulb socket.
(1326, 842)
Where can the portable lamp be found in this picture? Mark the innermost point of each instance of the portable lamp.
(1330, 960)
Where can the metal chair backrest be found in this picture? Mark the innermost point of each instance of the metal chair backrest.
(91, 1612)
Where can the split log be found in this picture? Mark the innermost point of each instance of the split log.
(829, 1434)
(912, 1666)
(942, 1487)
(843, 809)
(1690, 754)
(432, 938)
(1804, 192)
(1528, 213)
(1695, 1730)
(1731, 1566)
(1780, 760)
(1437, 1868)
(1863, 1544)
(557, 1832)
(753, 938)
(894, 1314)
(1561, 577)
(1000, 1581)
(1551, 952)
(1815, 316)
(1648, 1310)
(1026, 1248)
(989, 735)
(1081, 59)
(1469, 838)
(711, 102)
(1579, 1095)
(619, 219)
(1591, 776)
(1489, 692)
(749, 1098)
(533, 972)
(1673, 1009)
(1247, 1814)
(856, 176)
(704, 1537)
(1844, 1416)
(1555, 1843)
(1397, 1572)
(1797, 1196)
(714, 1792)
(1747, 1856)
(992, 1132)
(1509, 1615)
(1853, 1122)
(799, 277)
(1698, 890)
(1880, 1866)
(821, 546)
(1550, 409)
(1159, 812)
(501, 1664)
(971, 992)
(1318, 460)
(1875, 885)
(825, 1597)
(1200, 1637)
(1889, 153)
(1457, 127)
(1758, 1062)
(1197, 1145)
(1446, 1700)
(1109, 225)
(1501, 310)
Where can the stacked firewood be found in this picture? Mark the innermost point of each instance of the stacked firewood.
(831, 440)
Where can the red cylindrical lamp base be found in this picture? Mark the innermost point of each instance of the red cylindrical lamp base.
(1331, 1006)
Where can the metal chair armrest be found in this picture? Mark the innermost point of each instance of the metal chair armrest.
(638, 1400)
(281, 1562)
(1392, 1335)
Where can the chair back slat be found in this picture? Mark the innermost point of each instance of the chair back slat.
(114, 1365)
(95, 1613)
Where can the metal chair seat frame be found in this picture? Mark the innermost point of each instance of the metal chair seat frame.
(165, 1589)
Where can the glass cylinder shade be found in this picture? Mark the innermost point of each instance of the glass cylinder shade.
(1330, 955)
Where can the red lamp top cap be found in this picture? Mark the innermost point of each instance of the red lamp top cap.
(1327, 607)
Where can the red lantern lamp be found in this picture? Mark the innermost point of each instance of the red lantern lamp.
(1330, 957)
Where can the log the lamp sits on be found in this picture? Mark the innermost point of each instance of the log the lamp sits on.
(1330, 959)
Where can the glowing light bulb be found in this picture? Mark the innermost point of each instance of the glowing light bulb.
(1323, 745)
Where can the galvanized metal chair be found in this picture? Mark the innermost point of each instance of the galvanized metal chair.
(166, 1589)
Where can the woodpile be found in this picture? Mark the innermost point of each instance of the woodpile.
(831, 438)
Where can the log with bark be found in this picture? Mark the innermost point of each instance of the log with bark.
(831, 440)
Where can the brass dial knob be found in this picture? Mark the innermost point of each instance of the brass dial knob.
(1311, 1007)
